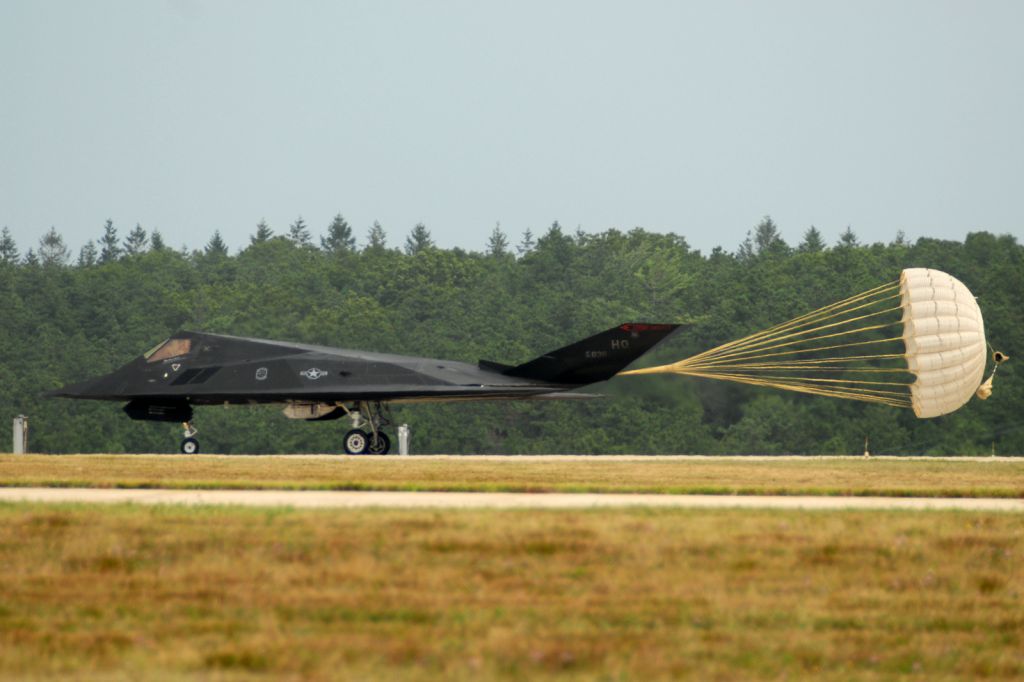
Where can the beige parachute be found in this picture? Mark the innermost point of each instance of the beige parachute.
(917, 343)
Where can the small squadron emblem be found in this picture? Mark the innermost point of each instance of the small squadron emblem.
(261, 374)
(313, 373)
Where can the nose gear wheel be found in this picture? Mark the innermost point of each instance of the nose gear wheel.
(190, 445)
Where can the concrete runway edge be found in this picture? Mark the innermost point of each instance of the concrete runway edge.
(310, 499)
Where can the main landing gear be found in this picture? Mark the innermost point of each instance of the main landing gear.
(374, 442)
(190, 445)
(365, 438)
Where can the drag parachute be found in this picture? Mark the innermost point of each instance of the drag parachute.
(918, 342)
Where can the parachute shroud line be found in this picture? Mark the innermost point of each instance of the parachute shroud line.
(932, 359)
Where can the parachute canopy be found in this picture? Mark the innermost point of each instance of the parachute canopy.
(944, 335)
(917, 343)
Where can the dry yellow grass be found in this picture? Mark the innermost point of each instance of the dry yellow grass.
(816, 476)
(170, 593)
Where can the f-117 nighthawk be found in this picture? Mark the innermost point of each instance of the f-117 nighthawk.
(319, 383)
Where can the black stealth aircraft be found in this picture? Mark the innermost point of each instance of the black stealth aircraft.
(318, 383)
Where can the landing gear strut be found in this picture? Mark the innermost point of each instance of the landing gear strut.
(375, 415)
(190, 445)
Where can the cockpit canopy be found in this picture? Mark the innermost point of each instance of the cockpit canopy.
(171, 348)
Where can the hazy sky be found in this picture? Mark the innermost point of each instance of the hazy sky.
(695, 118)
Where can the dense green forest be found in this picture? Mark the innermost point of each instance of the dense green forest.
(67, 317)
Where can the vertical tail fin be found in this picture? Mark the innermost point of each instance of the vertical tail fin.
(597, 358)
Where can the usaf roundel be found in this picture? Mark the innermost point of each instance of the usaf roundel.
(313, 373)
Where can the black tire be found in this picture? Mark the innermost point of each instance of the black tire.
(189, 446)
(381, 445)
(356, 442)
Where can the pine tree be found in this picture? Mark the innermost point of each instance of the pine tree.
(135, 243)
(527, 243)
(901, 239)
(299, 233)
(813, 242)
(848, 239)
(216, 245)
(110, 248)
(263, 232)
(88, 255)
(52, 250)
(418, 240)
(8, 249)
(31, 259)
(339, 237)
(746, 251)
(497, 245)
(767, 239)
(376, 238)
(156, 241)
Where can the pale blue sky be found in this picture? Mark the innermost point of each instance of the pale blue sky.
(695, 118)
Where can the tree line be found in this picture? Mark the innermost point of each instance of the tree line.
(68, 317)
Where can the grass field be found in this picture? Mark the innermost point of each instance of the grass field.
(737, 475)
(169, 593)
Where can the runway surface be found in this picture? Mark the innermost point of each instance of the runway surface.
(513, 459)
(307, 499)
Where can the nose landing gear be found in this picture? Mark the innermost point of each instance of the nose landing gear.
(190, 445)
(359, 442)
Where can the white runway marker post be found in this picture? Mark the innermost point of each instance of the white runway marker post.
(20, 444)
